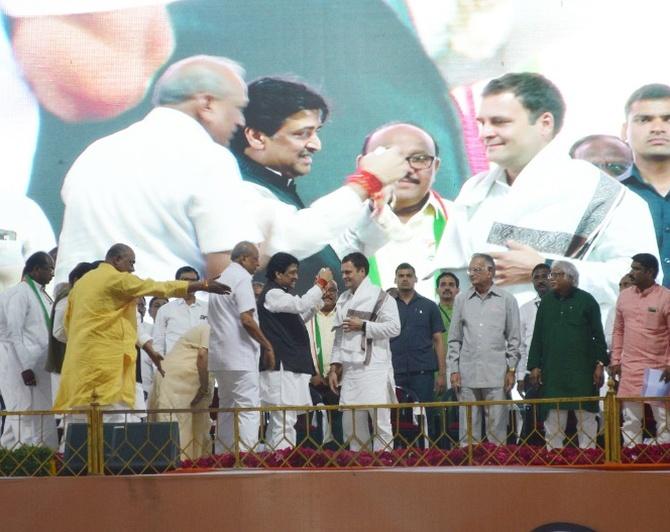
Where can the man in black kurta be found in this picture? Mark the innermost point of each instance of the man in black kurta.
(567, 355)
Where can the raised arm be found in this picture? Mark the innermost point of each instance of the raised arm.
(277, 300)
(303, 232)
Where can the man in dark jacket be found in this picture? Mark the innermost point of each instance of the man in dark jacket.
(282, 318)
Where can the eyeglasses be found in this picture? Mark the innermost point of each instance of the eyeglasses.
(420, 161)
(556, 275)
(615, 169)
(476, 270)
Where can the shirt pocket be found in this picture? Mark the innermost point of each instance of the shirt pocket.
(494, 324)
(575, 319)
(652, 320)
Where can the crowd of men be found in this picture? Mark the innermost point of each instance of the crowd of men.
(542, 241)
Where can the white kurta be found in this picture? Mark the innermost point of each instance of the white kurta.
(162, 186)
(527, 314)
(301, 232)
(147, 366)
(26, 339)
(233, 359)
(173, 320)
(366, 384)
(553, 198)
(230, 346)
(58, 329)
(371, 384)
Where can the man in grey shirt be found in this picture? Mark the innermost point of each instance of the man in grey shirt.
(483, 349)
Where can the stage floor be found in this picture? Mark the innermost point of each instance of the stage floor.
(403, 499)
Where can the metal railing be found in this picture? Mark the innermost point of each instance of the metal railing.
(96, 441)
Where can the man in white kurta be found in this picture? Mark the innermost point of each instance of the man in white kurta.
(166, 184)
(537, 204)
(367, 318)
(527, 314)
(282, 319)
(321, 338)
(234, 351)
(321, 332)
(178, 316)
(148, 368)
(26, 384)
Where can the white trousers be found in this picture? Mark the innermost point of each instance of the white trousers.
(237, 389)
(554, 428)
(26, 429)
(283, 388)
(633, 412)
(356, 430)
(496, 415)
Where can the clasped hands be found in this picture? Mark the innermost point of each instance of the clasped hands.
(515, 265)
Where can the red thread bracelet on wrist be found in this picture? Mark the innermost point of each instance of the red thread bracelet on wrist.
(366, 180)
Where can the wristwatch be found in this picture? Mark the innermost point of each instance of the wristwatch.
(364, 326)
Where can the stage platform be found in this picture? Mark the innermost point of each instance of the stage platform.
(399, 499)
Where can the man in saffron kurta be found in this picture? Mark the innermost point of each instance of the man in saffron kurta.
(101, 326)
(641, 340)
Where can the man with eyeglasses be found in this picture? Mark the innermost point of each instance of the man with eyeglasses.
(609, 153)
(539, 205)
(283, 122)
(567, 356)
(411, 219)
(483, 350)
(647, 130)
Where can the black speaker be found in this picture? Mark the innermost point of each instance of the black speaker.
(129, 448)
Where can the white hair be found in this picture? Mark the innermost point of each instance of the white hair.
(569, 269)
(199, 73)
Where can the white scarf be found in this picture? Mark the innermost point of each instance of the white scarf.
(557, 205)
(359, 304)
